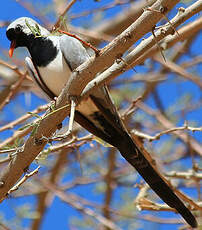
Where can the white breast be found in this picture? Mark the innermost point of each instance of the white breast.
(56, 74)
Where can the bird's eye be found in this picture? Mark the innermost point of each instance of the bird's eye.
(18, 29)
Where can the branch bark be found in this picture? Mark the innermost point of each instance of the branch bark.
(148, 48)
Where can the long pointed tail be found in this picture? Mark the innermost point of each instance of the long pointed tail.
(99, 116)
(133, 155)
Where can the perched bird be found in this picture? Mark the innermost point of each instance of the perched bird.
(53, 58)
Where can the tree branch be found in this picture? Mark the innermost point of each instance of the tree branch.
(79, 79)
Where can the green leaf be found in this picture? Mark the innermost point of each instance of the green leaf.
(103, 143)
(34, 115)
(35, 30)
(24, 127)
(34, 130)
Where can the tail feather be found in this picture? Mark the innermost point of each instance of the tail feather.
(135, 157)
(106, 124)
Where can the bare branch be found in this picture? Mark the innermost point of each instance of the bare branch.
(71, 200)
(70, 4)
(185, 175)
(143, 49)
(22, 119)
(27, 175)
(168, 125)
(171, 130)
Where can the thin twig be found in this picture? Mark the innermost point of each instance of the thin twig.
(26, 176)
(63, 14)
(160, 49)
(171, 130)
(185, 175)
(13, 91)
(23, 118)
(71, 199)
(99, 9)
(84, 42)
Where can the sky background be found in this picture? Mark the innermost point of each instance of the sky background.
(58, 217)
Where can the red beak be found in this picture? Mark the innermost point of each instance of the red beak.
(12, 47)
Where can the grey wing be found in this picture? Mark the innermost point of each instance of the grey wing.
(97, 113)
(73, 51)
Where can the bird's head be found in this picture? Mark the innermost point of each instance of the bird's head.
(20, 31)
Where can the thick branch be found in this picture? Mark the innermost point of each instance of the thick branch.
(147, 48)
(113, 27)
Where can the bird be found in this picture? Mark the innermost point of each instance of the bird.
(52, 59)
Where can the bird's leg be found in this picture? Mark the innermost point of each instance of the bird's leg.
(72, 114)
(73, 101)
